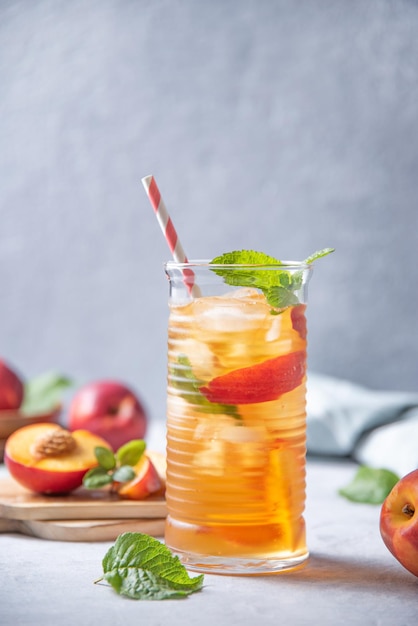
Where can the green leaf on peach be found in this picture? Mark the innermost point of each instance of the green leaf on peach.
(97, 478)
(123, 474)
(105, 457)
(131, 452)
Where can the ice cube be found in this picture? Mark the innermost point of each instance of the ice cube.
(273, 332)
(246, 445)
(211, 460)
(229, 315)
(177, 407)
(243, 434)
(245, 292)
(204, 362)
(210, 427)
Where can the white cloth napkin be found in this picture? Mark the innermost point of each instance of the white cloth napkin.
(376, 428)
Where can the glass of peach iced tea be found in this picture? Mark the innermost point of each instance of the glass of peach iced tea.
(236, 421)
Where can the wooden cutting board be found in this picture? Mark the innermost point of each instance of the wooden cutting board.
(80, 516)
(82, 530)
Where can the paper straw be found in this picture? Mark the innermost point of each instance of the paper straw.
(169, 231)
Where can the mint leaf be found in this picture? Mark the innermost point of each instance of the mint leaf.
(114, 467)
(183, 379)
(97, 478)
(370, 485)
(249, 276)
(318, 255)
(123, 474)
(44, 393)
(141, 568)
(280, 298)
(278, 286)
(105, 457)
(131, 452)
(245, 257)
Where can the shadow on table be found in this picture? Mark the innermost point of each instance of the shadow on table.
(350, 571)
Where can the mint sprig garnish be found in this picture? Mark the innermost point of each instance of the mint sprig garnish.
(279, 287)
(142, 568)
(183, 379)
(245, 257)
(318, 255)
(370, 485)
(114, 467)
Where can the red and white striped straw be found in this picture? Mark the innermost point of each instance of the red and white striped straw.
(169, 231)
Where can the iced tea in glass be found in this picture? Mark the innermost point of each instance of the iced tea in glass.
(236, 421)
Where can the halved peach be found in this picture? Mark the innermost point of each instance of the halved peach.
(46, 458)
(147, 481)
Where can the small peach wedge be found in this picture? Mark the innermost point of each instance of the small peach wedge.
(147, 481)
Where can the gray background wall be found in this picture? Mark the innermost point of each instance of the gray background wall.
(276, 125)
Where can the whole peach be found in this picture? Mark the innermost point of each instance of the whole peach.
(109, 409)
(399, 522)
(11, 388)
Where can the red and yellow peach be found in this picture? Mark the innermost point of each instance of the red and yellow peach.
(46, 458)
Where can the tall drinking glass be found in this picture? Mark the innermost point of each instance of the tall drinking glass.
(236, 421)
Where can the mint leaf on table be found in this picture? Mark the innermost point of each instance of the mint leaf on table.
(142, 568)
(370, 485)
(279, 287)
(183, 379)
(44, 393)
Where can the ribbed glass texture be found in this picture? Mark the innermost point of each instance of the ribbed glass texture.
(235, 424)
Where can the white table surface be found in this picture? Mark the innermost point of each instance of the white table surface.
(351, 578)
